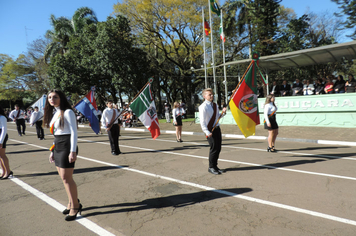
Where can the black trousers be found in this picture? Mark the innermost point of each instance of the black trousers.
(215, 147)
(39, 129)
(113, 134)
(19, 123)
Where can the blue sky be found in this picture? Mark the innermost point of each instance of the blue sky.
(18, 15)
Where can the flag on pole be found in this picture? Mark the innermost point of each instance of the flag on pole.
(40, 103)
(243, 104)
(214, 7)
(86, 107)
(206, 27)
(144, 107)
(222, 35)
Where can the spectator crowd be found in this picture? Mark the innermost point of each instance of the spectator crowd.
(326, 85)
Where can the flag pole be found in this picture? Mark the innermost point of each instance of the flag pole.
(223, 46)
(212, 52)
(109, 126)
(206, 78)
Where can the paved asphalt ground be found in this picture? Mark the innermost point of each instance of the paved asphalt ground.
(161, 187)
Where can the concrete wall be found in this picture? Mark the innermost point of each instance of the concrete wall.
(334, 110)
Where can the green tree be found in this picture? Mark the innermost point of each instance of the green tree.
(64, 28)
(348, 8)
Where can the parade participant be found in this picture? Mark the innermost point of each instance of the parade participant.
(109, 121)
(177, 120)
(18, 116)
(4, 161)
(270, 122)
(167, 112)
(64, 152)
(36, 118)
(209, 116)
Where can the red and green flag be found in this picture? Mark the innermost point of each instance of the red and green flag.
(144, 107)
(222, 35)
(244, 103)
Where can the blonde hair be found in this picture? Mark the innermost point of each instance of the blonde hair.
(207, 90)
(269, 98)
(176, 104)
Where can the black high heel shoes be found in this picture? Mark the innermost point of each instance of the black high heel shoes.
(73, 217)
(10, 174)
(66, 211)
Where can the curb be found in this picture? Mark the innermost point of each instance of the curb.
(237, 136)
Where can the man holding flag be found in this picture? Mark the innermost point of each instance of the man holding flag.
(110, 122)
(209, 122)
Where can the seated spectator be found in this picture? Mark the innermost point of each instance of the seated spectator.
(308, 88)
(350, 85)
(329, 86)
(284, 89)
(339, 86)
(274, 89)
(297, 88)
(319, 87)
(127, 119)
(323, 81)
(260, 92)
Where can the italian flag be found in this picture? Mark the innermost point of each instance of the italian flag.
(244, 103)
(144, 107)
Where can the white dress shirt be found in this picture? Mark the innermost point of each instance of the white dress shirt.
(269, 109)
(177, 112)
(3, 127)
(107, 116)
(206, 111)
(309, 88)
(36, 116)
(13, 114)
(70, 126)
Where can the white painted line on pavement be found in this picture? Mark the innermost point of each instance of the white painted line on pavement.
(50, 201)
(251, 199)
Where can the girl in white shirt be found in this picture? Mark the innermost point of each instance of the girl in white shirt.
(63, 126)
(4, 161)
(270, 122)
(177, 120)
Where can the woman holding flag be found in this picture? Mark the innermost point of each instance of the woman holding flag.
(63, 126)
(270, 122)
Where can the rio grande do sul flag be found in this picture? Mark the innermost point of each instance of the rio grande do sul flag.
(244, 105)
(144, 107)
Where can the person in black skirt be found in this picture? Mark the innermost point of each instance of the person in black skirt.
(177, 120)
(270, 122)
(60, 118)
(4, 161)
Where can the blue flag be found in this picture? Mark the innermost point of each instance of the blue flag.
(87, 109)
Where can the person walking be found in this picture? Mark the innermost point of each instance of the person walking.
(18, 116)
(4, 161)
(36, 118)
(209, 116)
(270, 122)
(177, 120)
(64, 151)
(109, 121)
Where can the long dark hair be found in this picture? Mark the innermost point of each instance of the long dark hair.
(2, 112)
(48, 109)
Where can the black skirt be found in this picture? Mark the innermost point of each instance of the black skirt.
(273, 122)
(62, 151)
(179, 121)
(5, 140)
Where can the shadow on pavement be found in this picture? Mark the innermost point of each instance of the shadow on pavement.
(180, 200)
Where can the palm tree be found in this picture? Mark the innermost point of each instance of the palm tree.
(64, 28)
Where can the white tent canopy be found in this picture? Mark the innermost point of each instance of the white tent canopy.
(305, 57)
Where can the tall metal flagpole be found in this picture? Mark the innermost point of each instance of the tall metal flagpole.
(206, 78)
(223, 46)
(212, 53)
